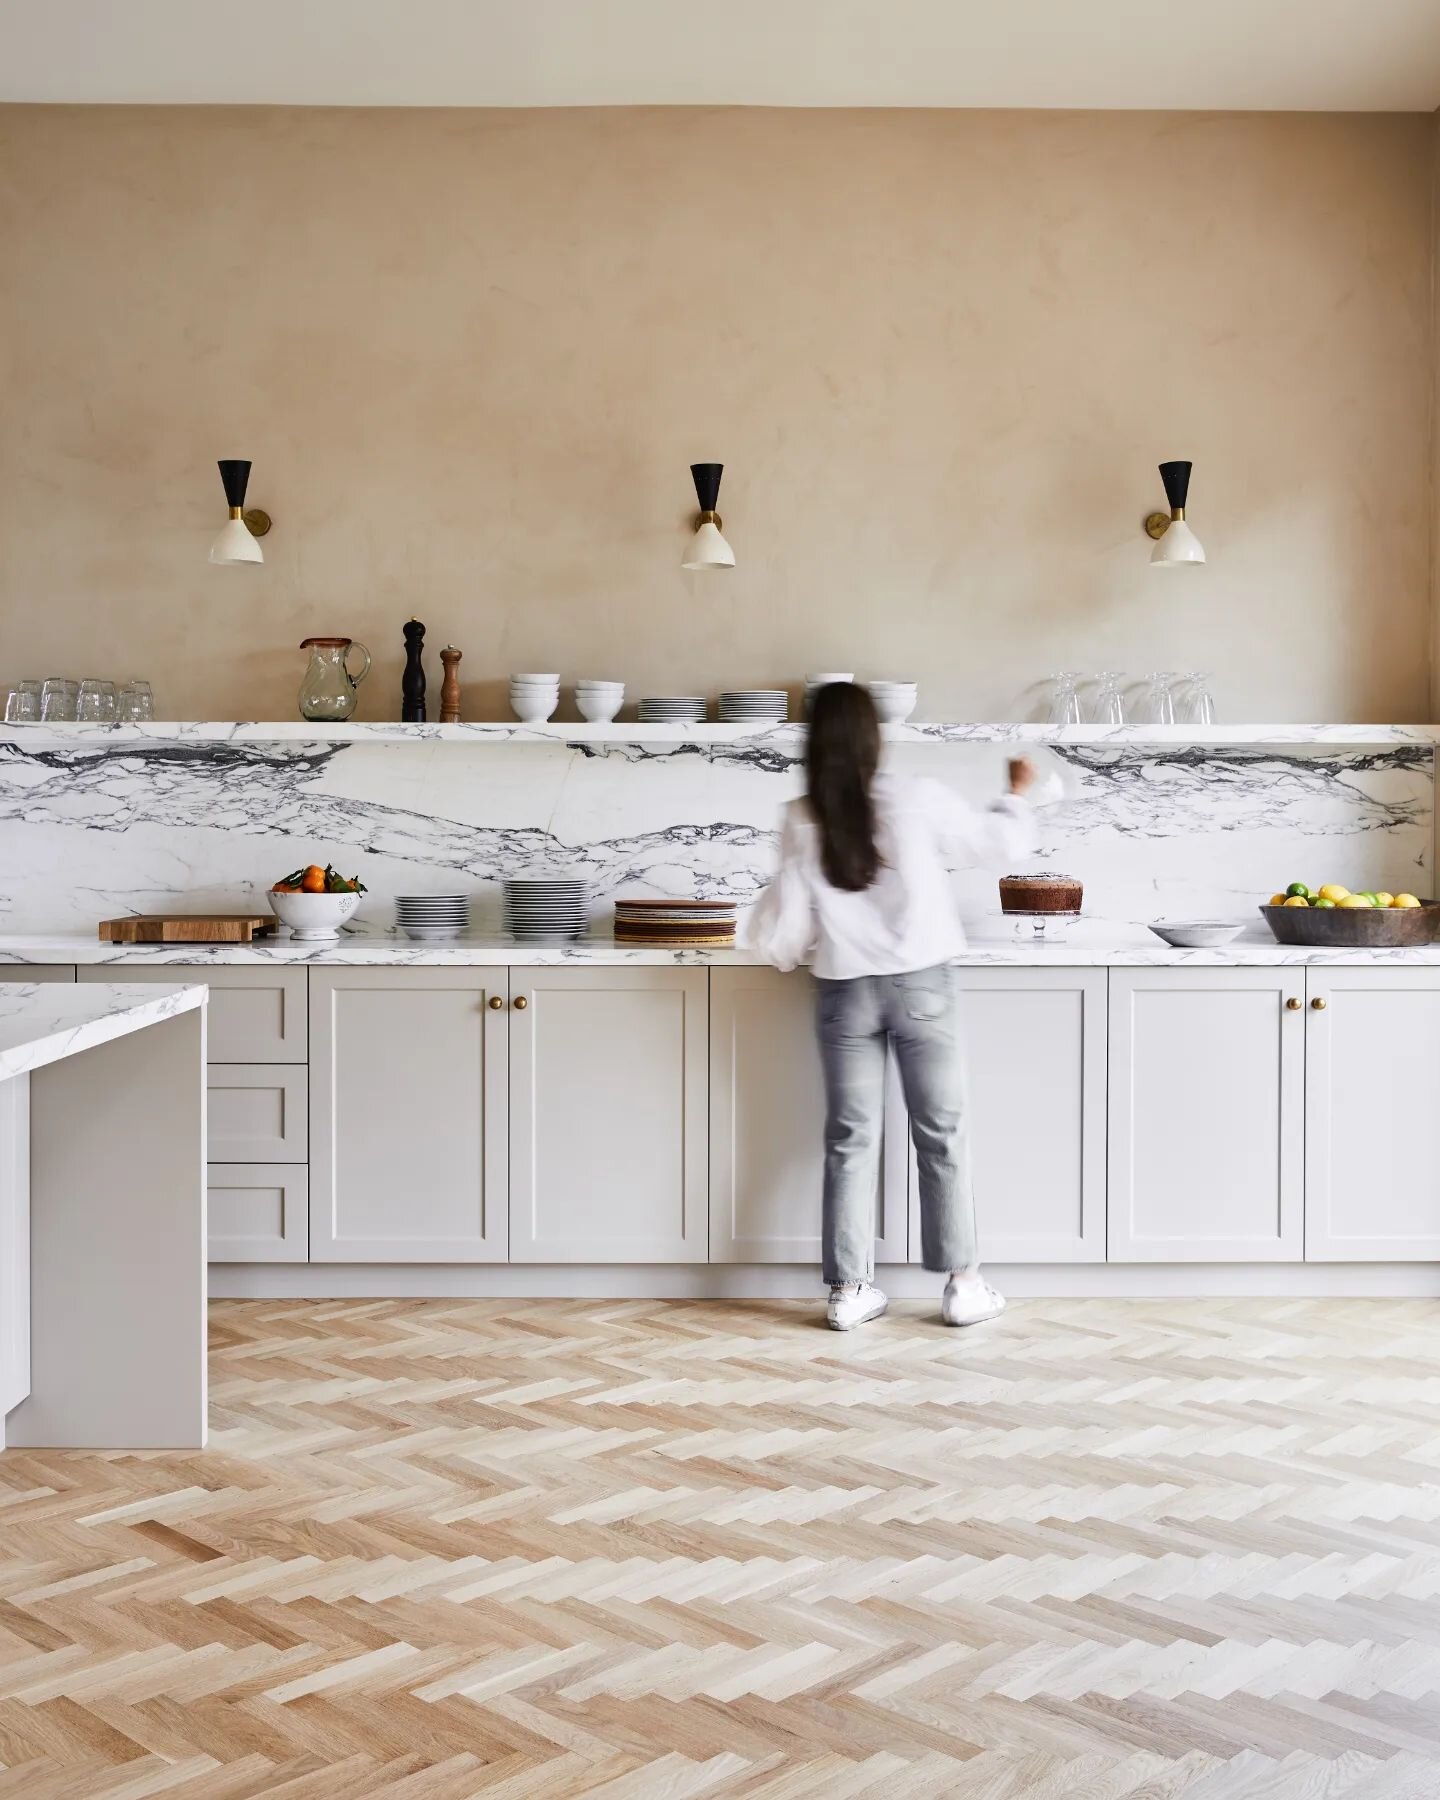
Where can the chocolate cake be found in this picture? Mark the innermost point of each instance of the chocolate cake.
(1043, 893)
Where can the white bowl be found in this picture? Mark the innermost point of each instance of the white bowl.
(535, 680)
(1197, 934)
(534, 708)
(314, 916)
(893, 709)
(599, 709)
(604, 687)
(815, 681)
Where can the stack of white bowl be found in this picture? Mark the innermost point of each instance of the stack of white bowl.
(541, 909)
(671, 709)
(762, 706)
(894, 700)
(599, 701)
(432, 916)
(534, 697)
(818, 681)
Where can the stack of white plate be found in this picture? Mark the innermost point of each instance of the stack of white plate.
(894, 700)
(669, 709)
(534, 697)
(599, 701)
(762, 705)
(544, 908)
(426, 916)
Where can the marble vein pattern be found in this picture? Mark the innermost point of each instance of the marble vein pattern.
(105, 824)
(41, 1022)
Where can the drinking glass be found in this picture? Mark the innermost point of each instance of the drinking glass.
(1108, 707)
(58, 696)
(22, 703)
(1156, 705)
(1194, 704)
(96, 703)
(137, 701)
(1064, 700)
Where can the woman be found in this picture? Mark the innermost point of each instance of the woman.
(863, 896)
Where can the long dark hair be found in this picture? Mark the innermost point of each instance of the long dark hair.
(840, 764)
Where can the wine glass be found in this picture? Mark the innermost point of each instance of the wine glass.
(1194, 704)
(1108, 706)
(1156, 705)
(1064, 699)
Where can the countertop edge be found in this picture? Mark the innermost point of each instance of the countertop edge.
(44, 1024)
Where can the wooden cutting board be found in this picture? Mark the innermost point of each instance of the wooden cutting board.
(188, 928)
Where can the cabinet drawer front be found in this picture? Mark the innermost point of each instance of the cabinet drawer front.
(257, 1015)
(259, 1212)
(258, 1113)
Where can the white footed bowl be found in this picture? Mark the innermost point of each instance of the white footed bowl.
(314, 916)
(599, 709)
(534, 708)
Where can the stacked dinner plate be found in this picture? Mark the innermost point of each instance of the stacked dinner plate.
(760, 706)
(543, 909)
(436, 916)
(672, 709)
(700, 924)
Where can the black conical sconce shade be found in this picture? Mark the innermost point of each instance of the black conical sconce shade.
(707, 484)
(234, 478)
(1176, 476)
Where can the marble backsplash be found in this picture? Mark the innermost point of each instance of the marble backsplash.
(97, 827)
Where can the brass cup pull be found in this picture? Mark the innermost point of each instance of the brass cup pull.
(1319, 1005)
(1292, 1004)
(495, 1003)
(521, 1003)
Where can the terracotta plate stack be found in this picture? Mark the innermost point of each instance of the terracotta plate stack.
(699, 924)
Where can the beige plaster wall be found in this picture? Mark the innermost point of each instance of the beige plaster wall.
(940, 354)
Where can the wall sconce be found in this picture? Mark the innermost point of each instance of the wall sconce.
(708, 549)
(1175, 543)
(235, 542)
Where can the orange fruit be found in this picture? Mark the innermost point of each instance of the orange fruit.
(313, 880)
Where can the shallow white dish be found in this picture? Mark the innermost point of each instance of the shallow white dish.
(1196, 934)
(314, 917)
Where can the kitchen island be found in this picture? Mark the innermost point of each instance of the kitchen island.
(102, 1214)
(389, 1117)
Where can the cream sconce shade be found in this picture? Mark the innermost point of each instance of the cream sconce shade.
(708, 549)
(237, 539)
(1176, 544)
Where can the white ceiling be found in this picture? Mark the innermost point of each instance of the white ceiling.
(1323, 55)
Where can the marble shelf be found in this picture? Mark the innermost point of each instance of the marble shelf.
(511, 731)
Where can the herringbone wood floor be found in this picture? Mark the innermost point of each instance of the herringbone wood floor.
(448, 1548)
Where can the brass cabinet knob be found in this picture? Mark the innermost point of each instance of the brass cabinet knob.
(1319, 1004)
(1292, 1004)
(495, 1003)
(521, 1003)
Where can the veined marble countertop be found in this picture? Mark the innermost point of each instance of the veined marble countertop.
(1090, 944)
(43, 1021)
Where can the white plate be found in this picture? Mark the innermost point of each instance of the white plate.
(1197, 934)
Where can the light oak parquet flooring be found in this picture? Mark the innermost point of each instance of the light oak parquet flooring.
(645, 1550)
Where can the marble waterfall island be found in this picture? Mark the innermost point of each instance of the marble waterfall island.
(1157, 821)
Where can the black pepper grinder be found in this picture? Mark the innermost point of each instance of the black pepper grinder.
(412, 682)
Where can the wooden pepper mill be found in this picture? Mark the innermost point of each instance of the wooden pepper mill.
(450, 688)
(412, 682)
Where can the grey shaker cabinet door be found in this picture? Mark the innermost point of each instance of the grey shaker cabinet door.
(408, 1090)
(607, 1114)
(1035, 1070)
(767, 1123)
(1207, 1121)
(257, 1014)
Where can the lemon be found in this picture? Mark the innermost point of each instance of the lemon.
(1324, 903)
(1384, 899)
(1296, 900)
(1297, 890)
(1353, 901)
(1405, 900)
(1332, 890)
(1277, 900)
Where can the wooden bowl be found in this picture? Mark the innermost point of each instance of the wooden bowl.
(1355, 927)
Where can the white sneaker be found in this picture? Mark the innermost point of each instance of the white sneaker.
(855, 1305)
(970, 1299)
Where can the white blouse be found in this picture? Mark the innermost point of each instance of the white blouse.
(907, 918)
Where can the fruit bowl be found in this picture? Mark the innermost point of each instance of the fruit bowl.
(313, 916)
(1355, 928)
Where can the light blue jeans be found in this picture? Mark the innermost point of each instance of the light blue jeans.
(917, 1015)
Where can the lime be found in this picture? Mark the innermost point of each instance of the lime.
(1297, 890)
(1323, 903)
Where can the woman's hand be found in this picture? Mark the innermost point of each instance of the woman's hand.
(1022, 775)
